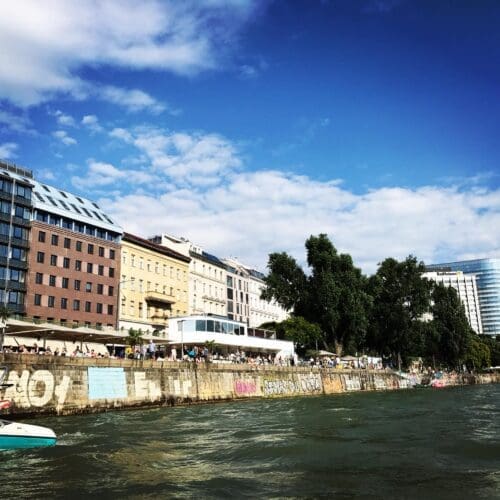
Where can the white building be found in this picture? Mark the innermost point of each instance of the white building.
(466, 287)
(228, 336)
(207, 276)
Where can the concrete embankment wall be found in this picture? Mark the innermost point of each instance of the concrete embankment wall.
(58, 385)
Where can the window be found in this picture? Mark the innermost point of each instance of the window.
(78, 265)
(101, 251)
(110, 309)
(65, 282)
(53, 260)
(77, 284)
(41, 236)
(78, 246)
(52, 301)
(40, 257)
(88, 287)
(111, 272)
(89, 267)
(100, 288)
(99, 308)
(76, 305)
(64, 303)
(52, 280)
(88, 307)
(66, 262)
(111, 253)
(39, 278)
(54, 240)
(90, 248)
(111, 291)
(67, 243)
(38, 299)
(100, 270)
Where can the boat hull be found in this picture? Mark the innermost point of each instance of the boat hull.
(14, 435)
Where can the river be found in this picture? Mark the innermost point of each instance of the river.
(422, 443)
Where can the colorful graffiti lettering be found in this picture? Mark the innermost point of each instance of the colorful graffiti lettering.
(305, 384)
(245, 387)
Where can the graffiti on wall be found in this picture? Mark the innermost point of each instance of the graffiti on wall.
(146, 389)
(352, 382)
(304, 384)
(245, 387)
(379, 383)
(37, 388)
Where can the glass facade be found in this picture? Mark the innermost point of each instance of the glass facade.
(211, 325)
(487, 273)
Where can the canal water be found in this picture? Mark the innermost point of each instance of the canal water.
(424, 443)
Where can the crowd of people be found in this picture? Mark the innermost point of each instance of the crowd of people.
(197, 354)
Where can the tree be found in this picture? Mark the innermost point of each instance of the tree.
(300, 331)
(400, 299)
(494, 347)
(450, 321)
(333, 295)
(478, 354)
(134, 338)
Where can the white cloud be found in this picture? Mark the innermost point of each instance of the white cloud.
(48, 42)
(16, 122)
(8, 150)
(63, 136)
(63, 119)
(195, 159)
(92, 123)
(132, 99)
(253, 214)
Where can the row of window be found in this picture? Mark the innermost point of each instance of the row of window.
(54, 240)
(12, 274)
(76, 304)
(13, 231)
(22, 191)
(78, 227)
(149, 267)
(12, 297)
(19, 211)
(63, 282)
(14, 253)
(66, 263)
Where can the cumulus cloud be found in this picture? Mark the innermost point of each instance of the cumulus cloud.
(188, 159)
(260, 212)
(132, 99)
(92, 123)
(63, 119)
(8, 150)
(63, 136)
(49, 42)
(15, 122)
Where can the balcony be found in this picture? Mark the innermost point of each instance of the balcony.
(152, 296)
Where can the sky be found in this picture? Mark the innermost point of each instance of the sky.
(247, 126)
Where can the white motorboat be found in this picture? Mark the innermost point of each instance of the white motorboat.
(14, 435)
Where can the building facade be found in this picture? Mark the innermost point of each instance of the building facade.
(487, 272)
(73, 262)
(153, 285)
(261, 311)
(16, 209)
(465, 285)
(238, 284)
(207, 276)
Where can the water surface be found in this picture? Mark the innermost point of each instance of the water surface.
(408, 444)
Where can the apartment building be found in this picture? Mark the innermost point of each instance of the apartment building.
(207, 276)
(16, 208)
(73, 262)
(154, 285)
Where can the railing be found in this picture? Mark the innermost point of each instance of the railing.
(72, 326)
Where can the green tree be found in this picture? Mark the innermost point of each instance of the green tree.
(450, 321)
(494, 347)
(333, 295)
(400, 299)
(134, 338)
(478, 354)
(300, 331)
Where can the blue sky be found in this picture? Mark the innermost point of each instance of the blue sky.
(246, 126)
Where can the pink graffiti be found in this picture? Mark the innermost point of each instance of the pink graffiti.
(243, 387)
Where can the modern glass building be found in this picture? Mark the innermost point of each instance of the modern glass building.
(487, 273)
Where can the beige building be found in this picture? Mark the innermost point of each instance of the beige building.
(207, 276)
(153, 285)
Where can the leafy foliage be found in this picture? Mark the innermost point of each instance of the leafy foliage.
(134, 338)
